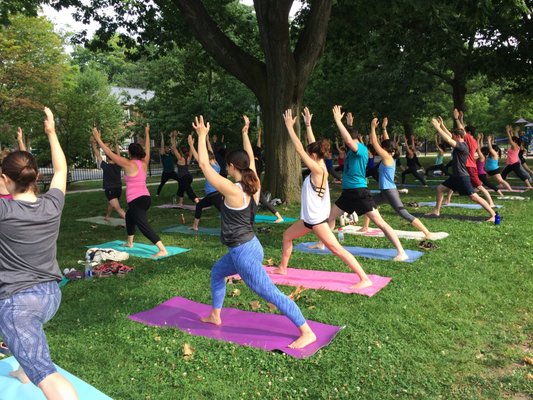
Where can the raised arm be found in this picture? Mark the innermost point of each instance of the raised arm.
(345, 135)
(384, 128)
(96, 151)
(493, 153)
(387, 158)
(174, 149)
(437, 144)
(410, 153)
(117, 159)
(59, 162)
(246, 144)
(223, 185)
(308, 161)
(192, 150)
(444, 135)
(146, 159)
(457, 119)
(258, 143)
(479, 145)
(117, 145)
(509, 131)
(308, 129)
(162, 144)
(20, 139)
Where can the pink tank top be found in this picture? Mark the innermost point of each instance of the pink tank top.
(6, 196)
(480, 167)
(136, 185)
(512, 156)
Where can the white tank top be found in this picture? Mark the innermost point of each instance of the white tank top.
(315, 202)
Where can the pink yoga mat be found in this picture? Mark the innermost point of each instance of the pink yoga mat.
(327, 280)
(264, 331)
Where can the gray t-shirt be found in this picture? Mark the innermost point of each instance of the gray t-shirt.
(459, 157)
(28, 236)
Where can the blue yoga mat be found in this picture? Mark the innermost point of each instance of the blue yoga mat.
(12, 389)
(140, 249)
(378, 254)
(472, 206)
(272, 218)
(188, 231)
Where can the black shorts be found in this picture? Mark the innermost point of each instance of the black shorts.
(310, 226)
(460, 184)
(493, 172)
(113, 193)
(359, 200)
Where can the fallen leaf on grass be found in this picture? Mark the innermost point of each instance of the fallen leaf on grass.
(187, 352)
(528, 360)
(297, 292)
(157, 338)
(235, 293)
(255, 305)
(271, 307)
(270, 261)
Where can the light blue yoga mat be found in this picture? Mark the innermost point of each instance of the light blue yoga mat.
(140, 249)
(272, 218)
(471, 206)
(12, 389)
(188, 231)
(378, 254)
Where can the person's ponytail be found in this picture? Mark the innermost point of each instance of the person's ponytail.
(249, 181)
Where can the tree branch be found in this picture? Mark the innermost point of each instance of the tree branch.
(438, 74)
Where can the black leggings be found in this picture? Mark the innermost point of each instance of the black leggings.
(517, 169)
(136, 216)
(165, 176)
(413, 170)
(212, 199)
(263, 201)
(437, 167)
(485, 180)
(184, 185)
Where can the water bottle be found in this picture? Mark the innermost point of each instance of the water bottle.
(88, 269)
(497, 219)
(341, 235)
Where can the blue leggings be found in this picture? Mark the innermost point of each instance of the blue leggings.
(247, 261)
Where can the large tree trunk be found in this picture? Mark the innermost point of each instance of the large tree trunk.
(459, 92)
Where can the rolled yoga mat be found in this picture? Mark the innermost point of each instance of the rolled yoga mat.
(101, 221)
(326, 280)
(264, 331)
(375, 232)
(378, 254)
(140, 249)
(472, 206)
(12, 389)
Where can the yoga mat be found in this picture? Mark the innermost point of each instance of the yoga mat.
(458, 205)
(461, 217)
(401, 191)
(12, 389)
(512, 198)
(327, 280)
(188, 231)
(140, 249)
(264, 331)
(183, 207)
(101, 221)
(375, 232)
(271, 218)
(378, 254)
(413, 185)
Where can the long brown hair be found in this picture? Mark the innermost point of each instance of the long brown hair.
(21, 168)
(240, 160)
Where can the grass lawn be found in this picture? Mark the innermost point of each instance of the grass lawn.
(455, 324)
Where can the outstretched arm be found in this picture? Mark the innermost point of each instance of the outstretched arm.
(457, 118)
(117, 159)
(20, 139)
(117, 145)
(375, 142)
(308, 129)
(479, 145)
(192, 150)
(509, 131)
(337, 116)
(162, 144)
(96, 151)
(258, 143)
(59, 162)
(384, 128)
(410, 153)
(146, 159)
(437, 144)
(246, 144)
(448, 139)
(493, 153)
(174, 149)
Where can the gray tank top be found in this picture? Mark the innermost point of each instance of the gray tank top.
(238, 224)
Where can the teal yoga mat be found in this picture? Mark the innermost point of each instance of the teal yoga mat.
(272, 218)
(140, 249)
(12, 389)
(472, 206)
(188, 231)
(379, 254)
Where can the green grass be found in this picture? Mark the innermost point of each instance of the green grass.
(453, 325)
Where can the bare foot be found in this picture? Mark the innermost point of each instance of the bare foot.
(491, 219)
(318, 245)
(363, 284)
(363, 230)
(179, 205)
(192, 228)
(20, 375)
(106, 218)
(279, 220)
(211, 319)
(126, 244)
(160, 253)
(280, 270)
(432, 215)
(401, 257)
(304, 340)
(431, 236)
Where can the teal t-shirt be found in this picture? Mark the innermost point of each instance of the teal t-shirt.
(354, 175)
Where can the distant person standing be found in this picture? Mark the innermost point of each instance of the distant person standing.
(167, 161)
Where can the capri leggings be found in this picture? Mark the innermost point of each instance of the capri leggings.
(184, 185)
(165, 176)
(247, 261)
(136, 216)
(413, 170)
(485, 180)
(263, 201)
(517, 169)
(392, 197)
(212, 199)
(21, 324)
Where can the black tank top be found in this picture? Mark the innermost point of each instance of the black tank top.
(238, 225)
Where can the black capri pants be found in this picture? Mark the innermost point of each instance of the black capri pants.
(184, 185)
(212, 199)
(136, 216)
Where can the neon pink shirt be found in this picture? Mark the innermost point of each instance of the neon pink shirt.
(136, 185)
(512, 156)
(480, 167)
(8, 196)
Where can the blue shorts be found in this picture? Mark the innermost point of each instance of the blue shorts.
(21, 324)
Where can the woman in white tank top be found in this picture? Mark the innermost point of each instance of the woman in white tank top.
(316, 205)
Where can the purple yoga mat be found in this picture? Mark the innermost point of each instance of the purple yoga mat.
(327, 280)
(264, 331)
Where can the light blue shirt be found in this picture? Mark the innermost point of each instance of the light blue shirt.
(208, 188)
